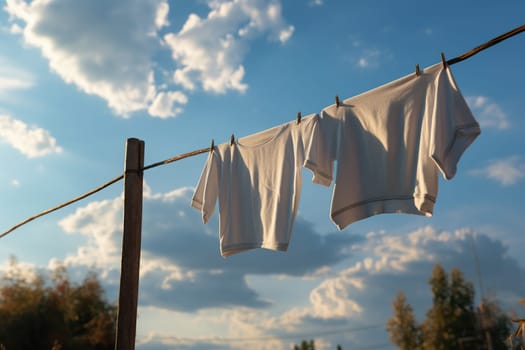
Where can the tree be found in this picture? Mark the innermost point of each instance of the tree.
(463, 321)
(305, 345)
(402, 327)
(452, 322)
(436, 330)
(37, 313)
(495, 325)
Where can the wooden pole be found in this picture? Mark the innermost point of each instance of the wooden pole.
(130, 264)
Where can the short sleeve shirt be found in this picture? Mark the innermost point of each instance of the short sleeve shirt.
(390, 143)
(257, 181)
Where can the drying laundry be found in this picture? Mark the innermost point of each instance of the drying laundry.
(257, 181)
(390, 143)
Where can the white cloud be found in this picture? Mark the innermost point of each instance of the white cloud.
(180, 256)
(164, 104)
(25, 271)
(180, 261)
(362, 62)
(13, 78)
(108, 49)
(333, 300)
(15, 183)
(161, 17)
(361, 293)
(507, 171)
(286, 34)
(185, 282)
(244, 323)
(387, 255)
(365, 56)
(488, 113)
(31, 141)
(12, 82)
(210, 50)
(103, 48)
(352, 306)
(316, 2)
(368, 58)
(101, 223)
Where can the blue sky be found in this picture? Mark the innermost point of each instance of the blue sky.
(79, 78)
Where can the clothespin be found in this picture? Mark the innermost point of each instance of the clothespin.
(337, 102)
(212, 147)
(443, 60)
(418, 72)
(299, 116)
(232, 140)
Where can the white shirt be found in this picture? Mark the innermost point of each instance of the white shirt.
(390, 143)
(258, 182)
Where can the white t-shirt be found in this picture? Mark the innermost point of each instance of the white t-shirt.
(389, 143)
(258, 182)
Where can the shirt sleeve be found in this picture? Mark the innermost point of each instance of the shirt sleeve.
(206, 192)
(454, 127)
(320, 150)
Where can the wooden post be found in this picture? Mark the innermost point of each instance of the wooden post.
(130, 264)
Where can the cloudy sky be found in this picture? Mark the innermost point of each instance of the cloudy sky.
(79, 78)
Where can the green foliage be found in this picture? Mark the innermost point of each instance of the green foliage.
(402, 327)
(452, 322)
(495, 324)
(38, 314)
(305, 345)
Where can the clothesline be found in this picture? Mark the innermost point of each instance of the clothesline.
(101, 187)
(452, 61)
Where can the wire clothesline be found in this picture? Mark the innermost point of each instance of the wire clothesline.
(452, 61)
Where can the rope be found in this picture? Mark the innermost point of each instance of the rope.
(488, 44)
(60, 206)
(204, 150)
(176, 158)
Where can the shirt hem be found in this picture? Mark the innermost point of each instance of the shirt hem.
(238, 248)
(195, 203)
(404, 204)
